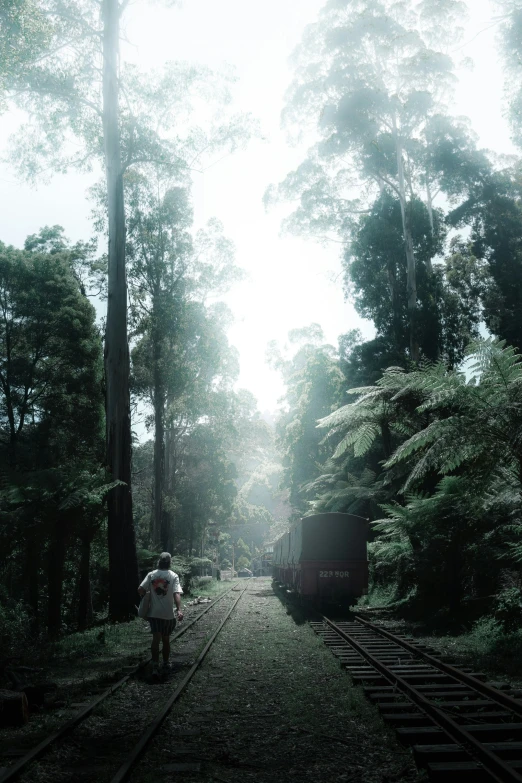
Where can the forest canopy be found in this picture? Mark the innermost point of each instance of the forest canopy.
(124, 427)
(417, 429)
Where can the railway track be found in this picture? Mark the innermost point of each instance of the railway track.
(120, 757)
(461, 728)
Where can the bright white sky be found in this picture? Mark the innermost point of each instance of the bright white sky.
(289, 281)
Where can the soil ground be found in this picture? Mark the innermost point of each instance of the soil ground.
(77, 668)
(271, 704)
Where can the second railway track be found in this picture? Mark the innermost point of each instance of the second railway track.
(461, 728)
(105, 745)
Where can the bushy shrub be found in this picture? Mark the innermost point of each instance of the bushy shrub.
(15, 624)
(508, 609)
(148, 560)
(200, 581)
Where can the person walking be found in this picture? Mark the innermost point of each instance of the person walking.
(165, 592)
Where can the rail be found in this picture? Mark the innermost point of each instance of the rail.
(484, 755)
(153, 727)
(12, 772)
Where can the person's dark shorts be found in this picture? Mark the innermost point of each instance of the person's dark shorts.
(164, 627)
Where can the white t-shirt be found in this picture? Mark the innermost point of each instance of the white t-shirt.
(162, 585)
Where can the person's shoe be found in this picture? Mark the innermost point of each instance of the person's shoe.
(155, 670)
(165, 669)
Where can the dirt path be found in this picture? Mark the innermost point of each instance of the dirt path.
(271, 704)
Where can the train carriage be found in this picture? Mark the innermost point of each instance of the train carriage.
(324, 556)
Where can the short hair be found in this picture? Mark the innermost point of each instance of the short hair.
(164, 560)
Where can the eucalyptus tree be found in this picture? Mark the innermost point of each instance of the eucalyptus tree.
(158, 249)
(373, 75)
(450, 297)
(314, 387)
(205, 486)
(74, 99)
(173, 275)
(510, 20)
(375, 273)
(51, 414)
(49, 345)
(492, 210)
(25, 38)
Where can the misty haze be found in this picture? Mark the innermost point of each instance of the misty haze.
(261, 390)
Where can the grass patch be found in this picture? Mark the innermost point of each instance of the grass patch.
(487, 646)
(117, 639)
(209, 589)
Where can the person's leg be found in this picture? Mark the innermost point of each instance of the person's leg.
(154, 648)
(166, 648)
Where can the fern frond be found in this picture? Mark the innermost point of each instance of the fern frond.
(418, 441)
(366, 436)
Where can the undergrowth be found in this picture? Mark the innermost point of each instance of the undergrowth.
(15, 625)
(206, 589)
(118, 639)
(377, 597)
(488, 646)
(109, 639)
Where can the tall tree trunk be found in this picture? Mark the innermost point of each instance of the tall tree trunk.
(84, 604)
(170, 488)
(123, 564)
(167, 485)
(411, 278)
(159, 471)
(395, 303)
(159, 434)
(191, 536)
(32, 553)
(55, 577)
(429, 204)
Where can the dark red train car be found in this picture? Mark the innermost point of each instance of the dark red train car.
(324, 556)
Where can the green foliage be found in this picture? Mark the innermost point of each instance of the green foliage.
(364, 105)
(15, 624)
(25, 37)
(511, 40)
(449, 294)
(473, 424)
(183, 367)
(314, 387)
(429, 429)
(487, 646)
(49, 350)
(56, 77)
(51, 425)
(452, 471)
(508, 609)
